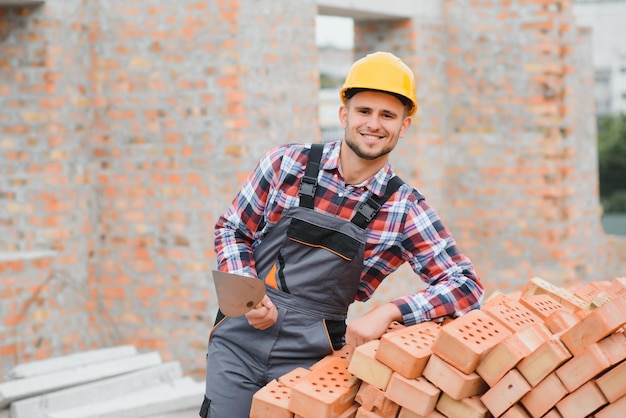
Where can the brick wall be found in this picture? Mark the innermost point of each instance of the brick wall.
(128, 126)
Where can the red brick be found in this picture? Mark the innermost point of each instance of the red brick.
(538, 286)
(351, 412)
(516, 411)
(544, 396)
(588, 291)
(455, 383)
(364, 413)
(553, 413)
(583, 367)
(464, 408)
(614, 410)
(543, 361)
(542, 305)
(406, 350)
(496, 298)
(506, 393)
(417, 395)
(364, 365)
(271, 401)
(561, 320)
(513, 315)
(612, 382)
(373, 399)
(293, 377)
(614, 347)
(596, 325)
(325, 392)
(583, 402)
(504, 356)
(464, 341)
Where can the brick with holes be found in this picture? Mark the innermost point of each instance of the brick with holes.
(271, 401)
(464, 341)
(542, 305)
(537, 285)
(293, 377)
(506, 393)
(326, 392)
(513, 315)
(406, 350)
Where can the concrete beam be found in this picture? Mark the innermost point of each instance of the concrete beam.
(17, 389)
(69, 361)
(100, 391)
(179, 395)
(371, 10)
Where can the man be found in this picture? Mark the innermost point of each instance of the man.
(323, 226)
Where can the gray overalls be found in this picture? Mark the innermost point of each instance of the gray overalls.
(311, 263)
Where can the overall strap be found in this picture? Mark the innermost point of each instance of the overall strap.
(308, 184)
(367, 210)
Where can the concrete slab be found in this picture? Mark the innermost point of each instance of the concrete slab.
(4, 413)
(84, 358)
(187, 413)
(14, 390)
(181, 395)
(39, 406)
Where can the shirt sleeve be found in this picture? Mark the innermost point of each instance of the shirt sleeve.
(453, 286)
(239, 227)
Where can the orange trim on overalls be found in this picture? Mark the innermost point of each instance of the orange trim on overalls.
(320, 246)
(270, 279)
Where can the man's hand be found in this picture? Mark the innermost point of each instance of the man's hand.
(372, 325)
(264, 316)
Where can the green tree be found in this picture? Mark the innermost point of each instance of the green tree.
(612, 162)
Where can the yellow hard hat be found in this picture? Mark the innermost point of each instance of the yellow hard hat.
(385, 72)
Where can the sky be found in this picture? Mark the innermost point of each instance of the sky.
(334, 31)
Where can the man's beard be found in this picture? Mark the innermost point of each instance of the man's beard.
(354, 146)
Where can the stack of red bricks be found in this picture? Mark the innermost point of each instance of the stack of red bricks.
(545, 351)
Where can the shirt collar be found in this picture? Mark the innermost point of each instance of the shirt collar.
(376, 184)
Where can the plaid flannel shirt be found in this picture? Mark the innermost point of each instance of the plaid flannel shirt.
(406, 229)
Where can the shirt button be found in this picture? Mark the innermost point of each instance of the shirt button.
(340, 194)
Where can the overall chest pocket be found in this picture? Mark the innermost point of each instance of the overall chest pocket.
(320, 237)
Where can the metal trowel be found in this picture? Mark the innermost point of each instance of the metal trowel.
(236, 294)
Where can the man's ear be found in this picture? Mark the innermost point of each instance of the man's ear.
(343, 116)
(406, 124)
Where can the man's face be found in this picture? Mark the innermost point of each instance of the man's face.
(373, 123)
